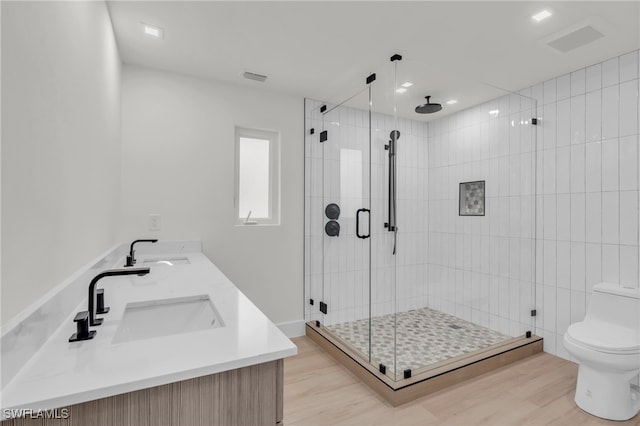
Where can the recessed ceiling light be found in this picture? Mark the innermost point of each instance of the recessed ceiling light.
(452, 102)
(541, 15)
(494, 112)
(152, 31)
(407, 84)
(401, 90)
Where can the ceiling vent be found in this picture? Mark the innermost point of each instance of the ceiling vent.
(255, 77)
(576, 37)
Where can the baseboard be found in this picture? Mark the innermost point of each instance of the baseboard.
(292, 328)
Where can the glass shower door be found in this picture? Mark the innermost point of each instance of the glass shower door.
(314, 212)
(346, 216)
(385, 140)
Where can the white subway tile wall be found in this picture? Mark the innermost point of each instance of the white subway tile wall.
(587, 190)
(562, 207)
(491, 259)
(337, 268)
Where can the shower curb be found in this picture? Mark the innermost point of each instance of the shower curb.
(402, 391)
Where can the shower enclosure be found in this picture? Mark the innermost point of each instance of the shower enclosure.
(419, 230)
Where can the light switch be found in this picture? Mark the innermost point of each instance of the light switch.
(155, 222)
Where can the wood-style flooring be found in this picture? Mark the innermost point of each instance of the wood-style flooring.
(535, 391)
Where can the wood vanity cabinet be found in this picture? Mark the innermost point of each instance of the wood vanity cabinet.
(244, 396)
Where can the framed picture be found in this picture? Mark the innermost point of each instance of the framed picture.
(471, 201)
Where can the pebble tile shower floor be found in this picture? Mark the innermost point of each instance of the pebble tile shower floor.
(425, 336)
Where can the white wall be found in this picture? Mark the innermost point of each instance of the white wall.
(178, 161)
(481, 267)
(60, 144)
(587, 195)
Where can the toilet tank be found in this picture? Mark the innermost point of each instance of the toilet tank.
(616, 305)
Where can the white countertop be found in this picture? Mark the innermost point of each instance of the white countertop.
(64, 373)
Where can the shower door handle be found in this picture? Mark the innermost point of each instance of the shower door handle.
(358, 223)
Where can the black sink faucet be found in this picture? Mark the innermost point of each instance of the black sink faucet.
(131, 260)
(93, 321)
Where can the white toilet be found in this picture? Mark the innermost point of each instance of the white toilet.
(607, 346)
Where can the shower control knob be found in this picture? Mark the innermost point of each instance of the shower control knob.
(332, 211)
(332, 228)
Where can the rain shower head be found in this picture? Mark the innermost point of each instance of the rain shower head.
(395, 135)
(428, 108)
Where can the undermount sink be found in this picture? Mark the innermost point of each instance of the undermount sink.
(169, 261)
(156, 318)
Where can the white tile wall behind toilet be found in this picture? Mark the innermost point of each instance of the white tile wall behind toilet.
(587, 192)
(60, 144)
(587, 189)
(178, 161)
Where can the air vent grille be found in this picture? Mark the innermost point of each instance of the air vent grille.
(576, 38)
(255, 77)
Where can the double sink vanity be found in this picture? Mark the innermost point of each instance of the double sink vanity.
(177, 345)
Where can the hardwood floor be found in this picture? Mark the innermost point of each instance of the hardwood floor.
(535, 391)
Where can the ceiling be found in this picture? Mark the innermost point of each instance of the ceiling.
(325, 50)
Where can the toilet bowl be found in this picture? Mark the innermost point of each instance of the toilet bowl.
(607, 347)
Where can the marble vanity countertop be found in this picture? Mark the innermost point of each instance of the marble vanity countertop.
(63, 373)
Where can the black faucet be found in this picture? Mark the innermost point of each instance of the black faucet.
(93, 321)
(131, 260)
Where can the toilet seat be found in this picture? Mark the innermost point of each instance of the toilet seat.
(602, 337)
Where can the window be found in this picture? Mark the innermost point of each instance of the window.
(257, 191)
